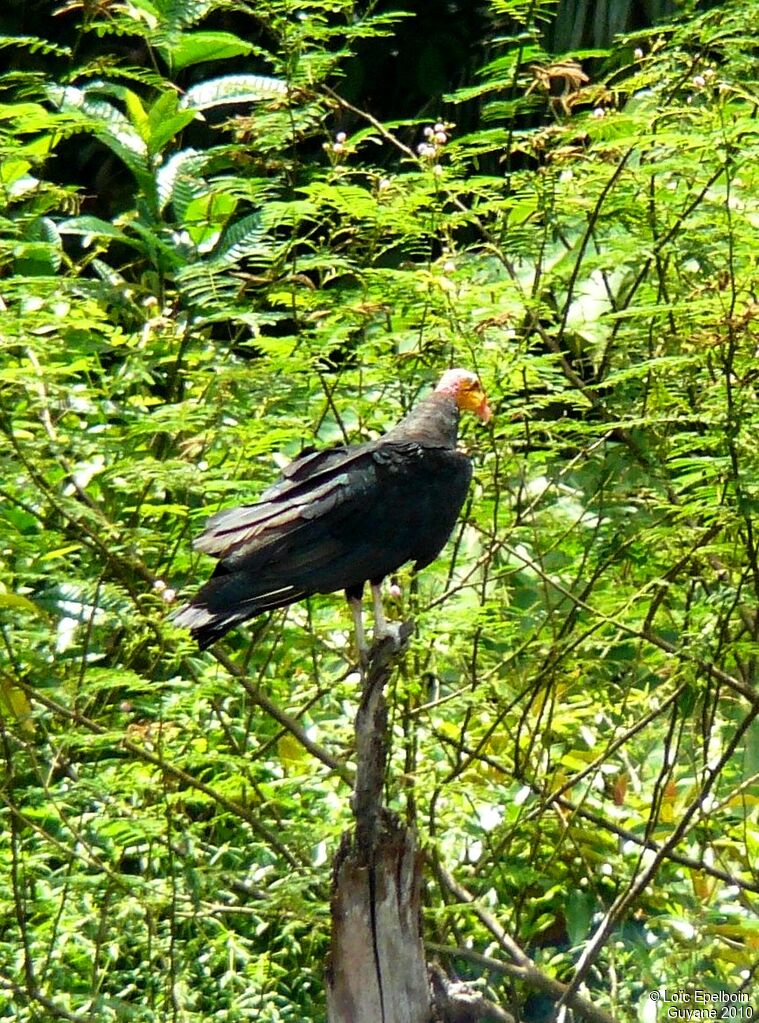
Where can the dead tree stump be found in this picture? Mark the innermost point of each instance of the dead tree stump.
(376, 971)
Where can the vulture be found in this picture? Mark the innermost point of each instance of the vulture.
(341, 517)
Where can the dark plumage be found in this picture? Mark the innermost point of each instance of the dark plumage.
(341, 517)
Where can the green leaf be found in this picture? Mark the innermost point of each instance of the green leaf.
(15, 701)
(233, 89)
(35, 45)
(242, 238)
(137, 113)
(93, 226)
(167, 129)
(39, 256)
(16, 602)
(197, 47)
(165, 106)
(60, 552)
(205, 216)
(179, 180)
(579, 913)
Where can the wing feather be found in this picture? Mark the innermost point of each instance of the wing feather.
(321, 489)
(333, 520)
(229, 530)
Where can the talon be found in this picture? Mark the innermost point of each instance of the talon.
(390, 630)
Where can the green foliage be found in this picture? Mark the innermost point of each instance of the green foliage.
(263, 267)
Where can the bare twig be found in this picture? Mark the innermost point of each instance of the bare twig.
(625, 899)
(527, 971)
(146, 755)
(288, 722)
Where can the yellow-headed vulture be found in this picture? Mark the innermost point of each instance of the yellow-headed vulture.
(338, 518)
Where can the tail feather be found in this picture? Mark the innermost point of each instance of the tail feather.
(228, 599)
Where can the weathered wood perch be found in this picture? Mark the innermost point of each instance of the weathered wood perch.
(376, 971)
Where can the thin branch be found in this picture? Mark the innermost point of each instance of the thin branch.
(528, 972)
(167, 767)
(603, 823)
(281, 717)
(377, 125)
(624, 900)
(455, 1002)
(587, 235)
(36, 997)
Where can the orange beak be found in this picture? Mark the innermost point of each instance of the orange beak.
(475, 400)
(467, 392)
(483, 410)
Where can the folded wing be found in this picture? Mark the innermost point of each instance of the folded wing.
(333, 520)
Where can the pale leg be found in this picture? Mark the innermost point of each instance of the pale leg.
(358, 628)
(382, 627)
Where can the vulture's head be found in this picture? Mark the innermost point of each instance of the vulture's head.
(466, 390)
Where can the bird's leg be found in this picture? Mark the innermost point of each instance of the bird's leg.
(382, 627)
(358, 628)
(380, 622)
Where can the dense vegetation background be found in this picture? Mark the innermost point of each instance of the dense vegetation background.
(225, 234)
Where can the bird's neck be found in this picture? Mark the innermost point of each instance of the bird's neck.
(433, 422)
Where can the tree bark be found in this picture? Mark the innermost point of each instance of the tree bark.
(376, 971)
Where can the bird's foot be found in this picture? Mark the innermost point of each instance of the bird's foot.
(395, 634)
(392, 631)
